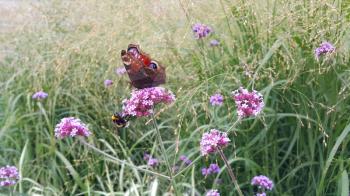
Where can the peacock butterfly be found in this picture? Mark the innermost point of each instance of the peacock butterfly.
(143, 71)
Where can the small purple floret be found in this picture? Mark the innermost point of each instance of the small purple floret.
(40, 95)
(262, 182)
(216, 99)
(201, 30)
(71, 127)
(325, 48)
(108, 83)
(212, 140)
(142, 101)
(248, 103)
(212, 192)
(8, 175)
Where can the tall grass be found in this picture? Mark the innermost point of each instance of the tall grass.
(301, 140)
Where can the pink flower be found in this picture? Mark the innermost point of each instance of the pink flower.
(248, 103)
(212, 140)
(8, 175)
(142, 101)
(201, 30)
(212, 192)
(71, 127)
(120, 70)
(325, 48)
(216, 99)
(262, 182)
(40, 95)
(108, 83)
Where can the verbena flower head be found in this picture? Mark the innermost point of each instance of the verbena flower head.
(214, 42)
(8, 175)
(262, 182)
(40, 95)
(212, 140)
(261, 194)
(201, 30)
(120, 70)
(248, 103)
(70, 127)
(108, 83)
(214, 168)
(212, 192)
(153, 162)
(8, 182)
(205, 171)
(142, 101)
(216, 99)
(185, 159)
(325, 48)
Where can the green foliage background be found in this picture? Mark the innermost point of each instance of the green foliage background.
(300, 141)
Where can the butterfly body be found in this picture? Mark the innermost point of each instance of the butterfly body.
(143, 71)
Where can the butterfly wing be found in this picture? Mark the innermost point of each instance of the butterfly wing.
(142, 70)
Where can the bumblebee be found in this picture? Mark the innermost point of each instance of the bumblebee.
(119, 120)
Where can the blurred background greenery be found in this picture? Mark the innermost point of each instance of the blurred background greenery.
(68, 48)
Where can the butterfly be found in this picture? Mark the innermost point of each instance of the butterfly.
(143, 71)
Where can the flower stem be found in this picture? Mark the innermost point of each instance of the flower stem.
(116, 160)
(230, 172)
(164, 153)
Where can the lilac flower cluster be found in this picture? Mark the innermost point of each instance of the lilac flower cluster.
(8, 175)
(261, 194)
(213, 140)
(142, 101)
(152, 162)
(185, 160)
(120, 70)
(262, 182)
(325, 48)
(248, 103)
(108, 83)
(214, 42)
(70, 127)
(40, 95)
(212, 192)
(212, 169)
(216, 99)
(201, 30)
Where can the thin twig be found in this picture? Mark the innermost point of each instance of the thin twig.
(121, 161)
(230, 172)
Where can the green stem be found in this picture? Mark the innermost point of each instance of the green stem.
(82, 140)
(164, 153)
(230, 172)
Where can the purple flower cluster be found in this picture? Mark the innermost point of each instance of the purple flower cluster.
(216, 99)
(248, 103)
(212, 169)
(120, 70)
(185, 160)
(40, 95)
(214, 42)
(70, 127)
(262, 182)
(108, 83)
(261, 194)
(212, 192)
(8, 175)
(142, 101)
(212, 140)
(201, 30)
(325, 48)
(152, 162)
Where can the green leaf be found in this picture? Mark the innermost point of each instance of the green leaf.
(344, 183)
